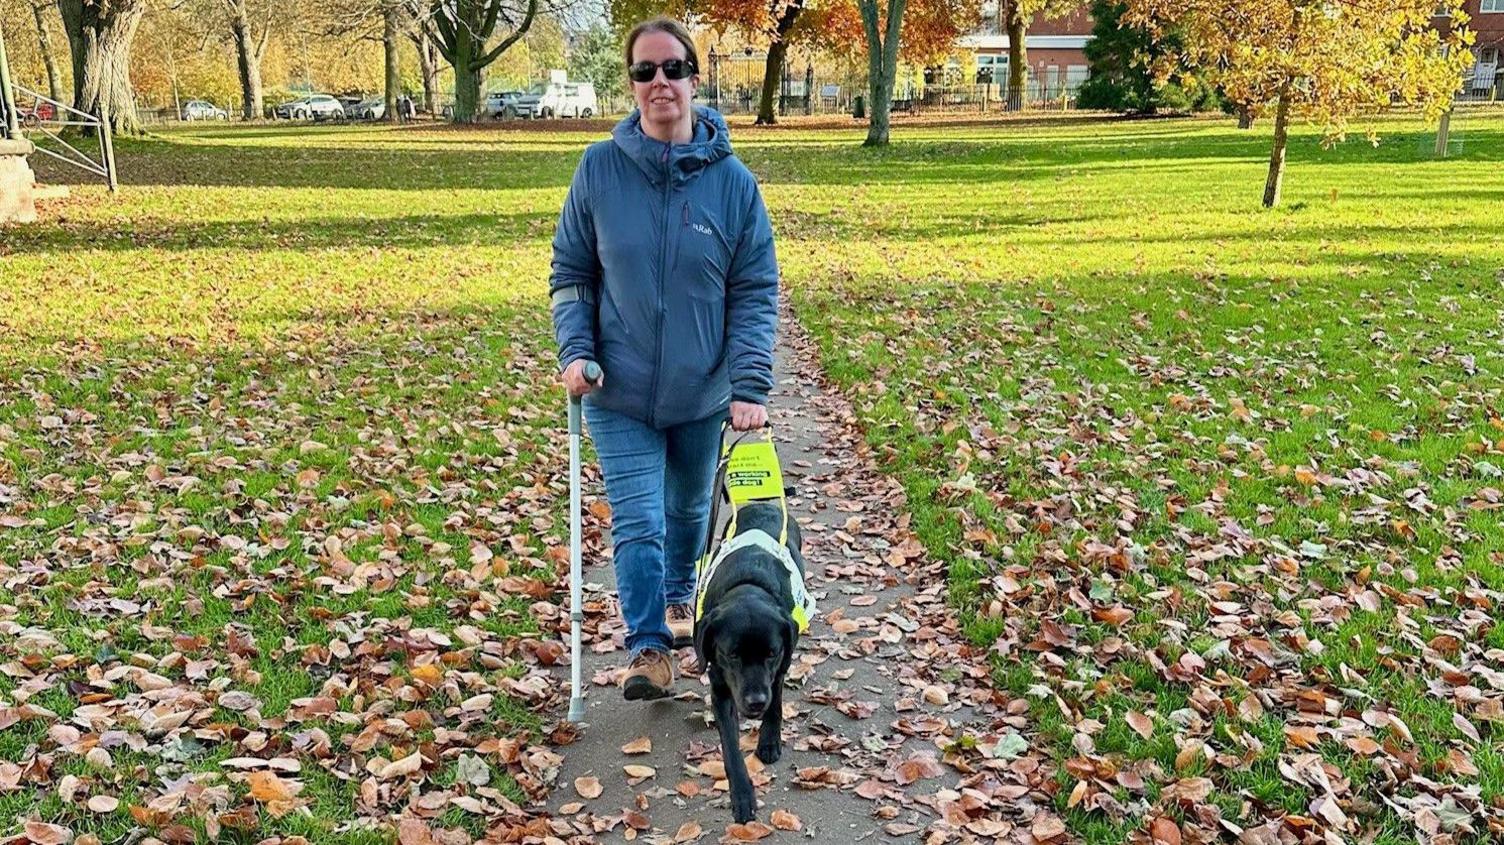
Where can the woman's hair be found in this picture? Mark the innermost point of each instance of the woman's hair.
(670, 26)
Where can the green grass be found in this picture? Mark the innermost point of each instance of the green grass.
(1088, 305)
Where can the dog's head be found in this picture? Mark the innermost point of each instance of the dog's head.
(750, 640)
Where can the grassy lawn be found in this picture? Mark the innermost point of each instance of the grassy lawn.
(1218, 486)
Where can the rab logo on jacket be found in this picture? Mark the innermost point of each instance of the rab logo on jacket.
(702, 228)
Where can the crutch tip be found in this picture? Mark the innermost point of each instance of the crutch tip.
(576, 710)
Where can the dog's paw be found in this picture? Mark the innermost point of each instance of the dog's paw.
(769, 752)
(744, 808)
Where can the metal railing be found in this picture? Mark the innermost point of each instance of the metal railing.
(49, 119)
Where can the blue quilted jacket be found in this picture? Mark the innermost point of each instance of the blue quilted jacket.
(664, 273)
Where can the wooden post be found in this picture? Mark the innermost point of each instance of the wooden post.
(12, 126)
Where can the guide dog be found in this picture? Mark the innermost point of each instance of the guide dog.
(746, 630)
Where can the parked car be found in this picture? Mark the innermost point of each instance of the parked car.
(38, 113)
(372, 109)
(314, 106)
(562, 99)
(200, 110)
(505, 105)
(350, 106)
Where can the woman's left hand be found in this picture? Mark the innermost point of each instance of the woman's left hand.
(746, 416)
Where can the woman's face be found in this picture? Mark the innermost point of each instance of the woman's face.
(663, 101)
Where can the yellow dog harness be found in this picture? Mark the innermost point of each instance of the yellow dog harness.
(749, 472)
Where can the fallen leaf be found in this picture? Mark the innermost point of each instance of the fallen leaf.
(749, 832)
(589, 788)
(267, 786)
(784, 820)
(1141, 724)
(640, 745)
(408, 765)
(1047, 826)
(104, 804)
(41, 833)
(1164, 832)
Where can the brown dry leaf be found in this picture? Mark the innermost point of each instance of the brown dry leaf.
(749, 832)
(411, 831)
(1047, 826)
(104, 804)
(1078, 794)
(267, 786)
(640, 745)
(411, 764)
(42, 833)
(639, 771)
(1363, 745)
(688, 832)
(589, 788)
(1164, 832)
(784, 820)
(1302, 736)
(1141, 724)
(429, 673)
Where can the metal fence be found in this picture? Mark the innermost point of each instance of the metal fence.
(817, 97)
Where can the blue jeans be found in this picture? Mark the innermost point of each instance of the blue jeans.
(658, 483)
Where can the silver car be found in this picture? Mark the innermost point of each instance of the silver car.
(314, 106)
(200, 110)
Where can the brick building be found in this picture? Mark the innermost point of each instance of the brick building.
(1055, 51)
(1487, 23)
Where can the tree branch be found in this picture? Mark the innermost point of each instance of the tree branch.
(527, 22)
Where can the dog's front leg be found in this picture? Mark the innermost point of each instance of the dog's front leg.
(743, 798)
(770, 735)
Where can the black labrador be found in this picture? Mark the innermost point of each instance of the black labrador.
(746, 638)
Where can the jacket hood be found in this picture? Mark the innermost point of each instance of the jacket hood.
(683, 162)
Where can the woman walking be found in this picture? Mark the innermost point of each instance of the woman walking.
(664, 273)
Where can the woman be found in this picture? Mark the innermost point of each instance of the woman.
(664, 273)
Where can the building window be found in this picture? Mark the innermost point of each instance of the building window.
(992, 69)
(1491, 6)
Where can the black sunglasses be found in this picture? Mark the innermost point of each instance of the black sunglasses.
(672, 69)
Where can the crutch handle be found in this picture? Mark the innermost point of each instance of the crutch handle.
(592, 375)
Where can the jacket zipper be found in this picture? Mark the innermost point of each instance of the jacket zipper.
(662, 272)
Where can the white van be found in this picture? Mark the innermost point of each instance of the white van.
(564, 99)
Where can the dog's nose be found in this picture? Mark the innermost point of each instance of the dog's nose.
(756, 703)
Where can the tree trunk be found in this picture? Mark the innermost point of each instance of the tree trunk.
(461, 31)
(772, 79)
(1018, 58)
(100, 36)
(391, 40)
(882, 66)
(1276, 179)
(54, 79)
(247, 61)
(466, 93)
(1245, 117)
(428, 63)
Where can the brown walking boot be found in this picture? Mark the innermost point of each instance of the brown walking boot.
(681, 624)
(649, 676)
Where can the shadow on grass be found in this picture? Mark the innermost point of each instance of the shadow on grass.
(317, 233)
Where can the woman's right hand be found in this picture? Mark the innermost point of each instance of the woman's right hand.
(574, 379)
